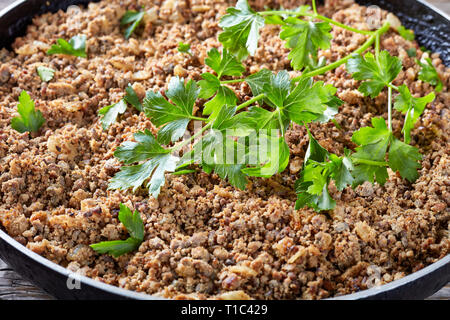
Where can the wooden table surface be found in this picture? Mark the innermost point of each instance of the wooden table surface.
(13, 287)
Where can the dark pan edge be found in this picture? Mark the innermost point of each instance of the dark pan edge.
(50, 276)
(431, 25)
(30, 264)
(26, 262)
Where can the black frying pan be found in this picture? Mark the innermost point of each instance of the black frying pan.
(432, 29)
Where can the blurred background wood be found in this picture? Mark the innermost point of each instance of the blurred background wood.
(13, 287)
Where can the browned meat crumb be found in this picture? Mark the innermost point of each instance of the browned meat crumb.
(205, 239)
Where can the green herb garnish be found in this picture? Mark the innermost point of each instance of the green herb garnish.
(30, 120)
(374, 142)
(154, 160)
(320, 168)
(232, 131)
(407, 34)
(184, 48)
(111, 112)
(75, 47)
(46, 74)
(131, 20)
(241, 30)
(412, 52)
(379, 72)
(411, 107)
(305, 38)
(132, 98)
(135, 227)
(429, 74)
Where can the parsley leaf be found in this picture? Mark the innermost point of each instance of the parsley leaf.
(241, 30)
(404, 159)
(320, 168)
(370, 156)
(302, 103)
(412, 52)
(315, 151)
(412, 107)
(132, 222)
(341, 172)
(225, 64)
(378, 73)
(158, 161)
(132, 98)
(219, 151)
(208, 86)
(110, 113)
(46, 74)
(135, 227)
(75, 47)
(224, 96)
(30, 120)
(184, 48)
(174, 117)
(144, 148)
(429, 74)
(116, 248)
(407, 34)
(305, 38)
(274, 161)
(132, 19)
(257, 81)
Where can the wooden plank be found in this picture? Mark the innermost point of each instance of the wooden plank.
(13, 287)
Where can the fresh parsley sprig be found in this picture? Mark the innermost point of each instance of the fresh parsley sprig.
(320, 168)
(241, 30)
(30, 120)
(75, 47)
(135, 227)
(229, 129)
(223, 64)
(370, 157)
(406, 34)
(109, 114)
(429, 74)
(380, 71)
(185, 48)
(131, 21)
(46, 74)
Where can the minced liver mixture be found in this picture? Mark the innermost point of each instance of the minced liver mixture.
(205, 239)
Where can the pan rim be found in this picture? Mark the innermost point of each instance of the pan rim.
(129, 294)
(124, 293)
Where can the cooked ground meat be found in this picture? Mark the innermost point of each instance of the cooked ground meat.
(204, 238)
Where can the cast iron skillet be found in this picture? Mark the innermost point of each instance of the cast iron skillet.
(432, 29)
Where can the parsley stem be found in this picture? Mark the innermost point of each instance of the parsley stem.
(198, 118)
(184, 143)
(393, 87)
(377, 47)
(314, 7)
(250, 102)
(340, 62)
(390, 108)
(232, 81)
(315, 16)
(369, 162)
(343, 26)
